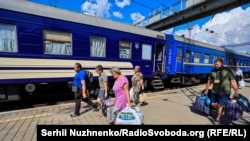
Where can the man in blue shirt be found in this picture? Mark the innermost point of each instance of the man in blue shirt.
(80, 89)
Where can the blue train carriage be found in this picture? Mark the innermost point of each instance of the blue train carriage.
(190, 62)
(40, 44)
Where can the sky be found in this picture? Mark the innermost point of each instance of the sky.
(229, 27)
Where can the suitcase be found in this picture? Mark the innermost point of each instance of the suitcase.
(233, 110)
(201, 106)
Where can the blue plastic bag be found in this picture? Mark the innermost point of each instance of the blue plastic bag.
(208, 101)
(205, 98)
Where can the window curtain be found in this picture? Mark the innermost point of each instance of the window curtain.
(8, 42)
(97, 47)
(57, 48)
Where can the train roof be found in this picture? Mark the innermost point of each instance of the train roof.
(28, 7)
(207, 45)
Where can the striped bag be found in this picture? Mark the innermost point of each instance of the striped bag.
(110, 115)
(105, 104)
(233, 110)
(200, 104)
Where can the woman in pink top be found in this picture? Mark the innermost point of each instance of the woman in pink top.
(120, 88)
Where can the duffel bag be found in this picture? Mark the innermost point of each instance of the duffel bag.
(233, 110)
(244, 102)
(200, 104)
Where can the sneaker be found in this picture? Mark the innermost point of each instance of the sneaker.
(97, 107)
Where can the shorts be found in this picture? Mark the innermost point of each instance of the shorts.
(222, 99)
(101, 94)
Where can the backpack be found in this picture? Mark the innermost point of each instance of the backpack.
(89, 79)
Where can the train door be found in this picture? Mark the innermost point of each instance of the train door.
(159, 59)
(179, 62)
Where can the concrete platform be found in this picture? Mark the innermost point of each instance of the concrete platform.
(170, 107)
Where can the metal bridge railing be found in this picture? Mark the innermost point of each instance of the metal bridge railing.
(163, 11)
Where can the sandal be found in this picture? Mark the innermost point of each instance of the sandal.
(217, 120)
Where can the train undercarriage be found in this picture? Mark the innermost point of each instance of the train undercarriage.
(56, 91)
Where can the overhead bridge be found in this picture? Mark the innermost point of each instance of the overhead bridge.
(195, 12)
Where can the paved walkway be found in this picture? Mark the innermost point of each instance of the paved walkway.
(165, 107)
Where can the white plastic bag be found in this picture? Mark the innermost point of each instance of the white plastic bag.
(130, 116)
(242, 83)
(131, 92)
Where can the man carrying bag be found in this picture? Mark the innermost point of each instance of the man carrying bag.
(80, 90)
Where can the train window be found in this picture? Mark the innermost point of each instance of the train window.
(215, 57)
(228, 61)
(125, 49)
(237, 63)
(57, 42)
(206, 59)
(187, 56)
(223, 60)
(197, 57)
(231, 62)
(179, 55)
(97, 46)
(245, 63)
(8, 38)
(146, 51)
